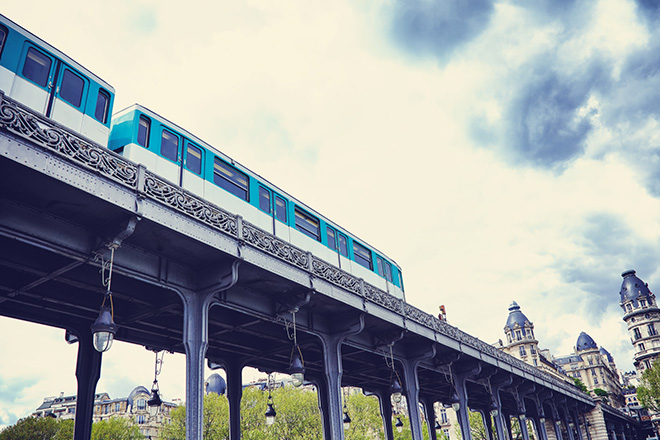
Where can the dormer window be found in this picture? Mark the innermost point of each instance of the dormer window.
(642, 302)
(629, 307)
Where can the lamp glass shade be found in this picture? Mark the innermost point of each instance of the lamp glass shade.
(347, 421)
(104, 330)
(396, 390)
(270, 415)
(398, 424)
(542, 420)
(297, 371)
(154, 403)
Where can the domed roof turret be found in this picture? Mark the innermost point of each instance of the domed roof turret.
(216, 384)
(606, 353)
(632, 287)
(516, 316)
(137, 390)
(585, 342)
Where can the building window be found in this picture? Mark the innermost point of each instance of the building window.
(641, 347)
(522, 351)
(637, 333)
(508, 336)
(629, 307)
(642, 302)
(443, 416)
(647, 364)
(595, 380)
(117, 407)
(141, 404)
(518, 335)
(141, 419)
(652, 331)
(532, 349)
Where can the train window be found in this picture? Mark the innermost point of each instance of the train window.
(280, 208)
(71, 88)
(102, 105)
(143, 131)
(169, 146)
(384, 269)
(264, 199)
(3, 37)
(194, 159)
(37, 67)
(332, 243)
(362, 255)
(229, 178)
(307, 224)
(343, 244)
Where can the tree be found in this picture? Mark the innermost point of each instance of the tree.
(31, 428)
(648, 393)
(115, 428)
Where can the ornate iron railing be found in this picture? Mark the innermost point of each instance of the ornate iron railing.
(25, 123)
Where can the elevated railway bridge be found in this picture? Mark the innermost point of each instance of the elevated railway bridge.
(192, 278)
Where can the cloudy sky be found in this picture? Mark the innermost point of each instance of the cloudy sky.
(497, 151)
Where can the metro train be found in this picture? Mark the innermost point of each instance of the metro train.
(46, 80)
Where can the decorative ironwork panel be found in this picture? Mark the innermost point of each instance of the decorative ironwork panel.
(336, 275)
(419, 316)
(383, 298)
(273, 245)
(175, 197)
(21, 121)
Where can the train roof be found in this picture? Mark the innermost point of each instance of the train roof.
(52, 49)
(194, 138)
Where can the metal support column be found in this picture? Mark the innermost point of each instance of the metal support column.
(485, 420)
(496, 403)
(429, 411)
(385, 404)
(88, 372)
(411, 382)
(458, 380)
(333, 424)
(234, 370)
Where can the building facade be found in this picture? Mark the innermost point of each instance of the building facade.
(642, 315)
(134, 408)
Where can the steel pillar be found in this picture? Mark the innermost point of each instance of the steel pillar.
(234, 370)
(385, 404)
(411, 382)
(459, 379)
(495, 387)
(485, 420)
(333, 420)
(88, 372)
(429, 412)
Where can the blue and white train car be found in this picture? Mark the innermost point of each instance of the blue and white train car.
(168, 150)
(41, 77)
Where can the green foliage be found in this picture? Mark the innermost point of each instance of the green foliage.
(648, 393)
(31, 428)
(580, 385)
(366, 422)
(601, 392)
(47, 428)
(115, 428)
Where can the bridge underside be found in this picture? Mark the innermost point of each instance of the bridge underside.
(57, 218)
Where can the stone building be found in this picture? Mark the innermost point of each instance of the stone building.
(642, 315)
(134, 407)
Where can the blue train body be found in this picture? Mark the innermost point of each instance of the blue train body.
(51, 83)
(177, 155)
(41, 77)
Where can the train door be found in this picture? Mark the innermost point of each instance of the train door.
(192, 169)
(67, 101)
(34, 80)
(50, 87)
(276, 206)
